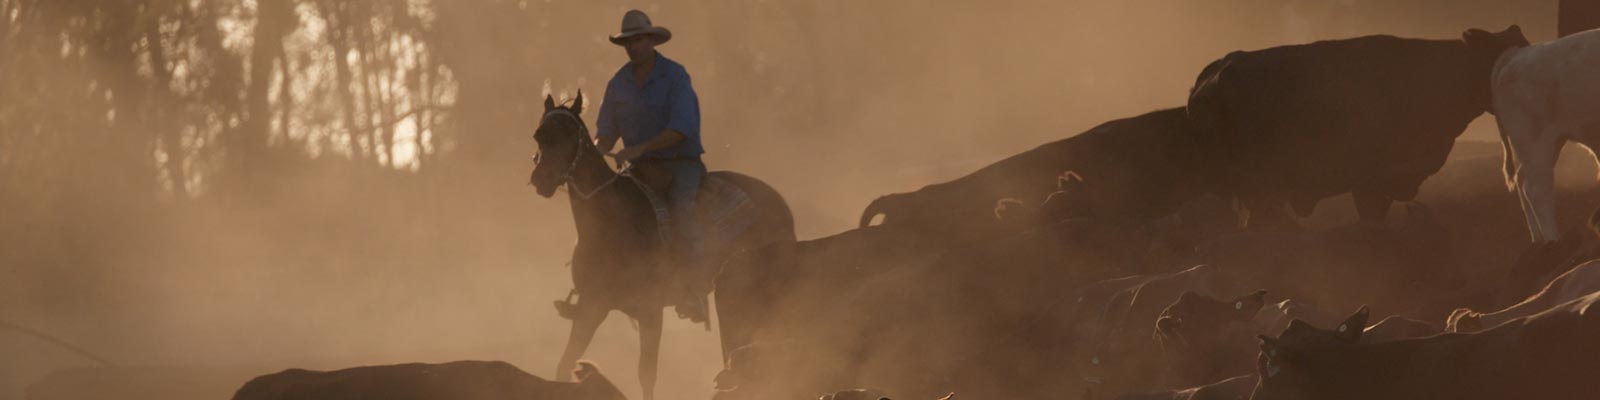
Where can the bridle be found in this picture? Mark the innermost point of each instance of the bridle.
(577, 154)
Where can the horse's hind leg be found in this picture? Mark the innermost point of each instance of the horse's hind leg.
(587, 320)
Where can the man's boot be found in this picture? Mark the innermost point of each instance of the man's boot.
(694, 308)
(693, 287)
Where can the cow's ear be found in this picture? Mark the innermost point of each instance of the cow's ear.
(549, 103)
(1246, 307)
(1594, 221)
(1512, 31)
(1512, 37)
(1350, 330)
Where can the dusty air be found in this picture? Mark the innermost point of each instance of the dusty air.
(796, 200)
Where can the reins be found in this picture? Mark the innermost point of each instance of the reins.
(566, 176)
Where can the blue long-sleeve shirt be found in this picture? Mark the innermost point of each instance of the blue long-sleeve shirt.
(638, 114)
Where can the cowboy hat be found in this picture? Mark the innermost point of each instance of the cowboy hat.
(635, 23)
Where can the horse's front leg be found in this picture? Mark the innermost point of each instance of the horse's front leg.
(649, 349)
(585, 322)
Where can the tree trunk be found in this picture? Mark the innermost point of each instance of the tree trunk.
(165, 107)
(369, 96)
(248, 146)
(339, 31)
(285, 100)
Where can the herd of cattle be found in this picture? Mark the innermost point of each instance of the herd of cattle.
(1154, 257)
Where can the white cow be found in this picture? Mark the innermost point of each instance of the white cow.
(1545, 95)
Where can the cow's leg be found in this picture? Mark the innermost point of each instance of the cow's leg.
(1373, 208)
(649, 349)
(1536, 180)
(1509, 162)
(584, 323)
(1534, 149)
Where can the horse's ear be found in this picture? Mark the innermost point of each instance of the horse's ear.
(549, 103)
(577, 104)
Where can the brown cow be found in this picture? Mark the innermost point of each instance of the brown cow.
(1372, 116)
(856, 394)
(1193, 336)
(1550, 355)
(1396, 327)
(460, 380)
(1147, 166)
(1577, 282)
(1204, 339)
(1235, 388)
(1117, 357)
(1407, 268)
(1573, 16)
(911, 316)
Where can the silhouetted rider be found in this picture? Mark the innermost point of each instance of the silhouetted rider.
(652, 107)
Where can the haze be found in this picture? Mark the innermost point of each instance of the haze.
(201, 183)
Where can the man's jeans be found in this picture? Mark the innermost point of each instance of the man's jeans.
(681, 178)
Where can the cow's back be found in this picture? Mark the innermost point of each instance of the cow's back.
(1558, 349)
(1321, 118)
(1549, 355)
(460, 380)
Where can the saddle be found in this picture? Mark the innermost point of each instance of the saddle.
(723, 209)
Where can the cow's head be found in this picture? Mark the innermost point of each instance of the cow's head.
(592, 385)
(1194, 317)
(1196, 330)
(1072, 199)
(1495, 42)
(1486, 48)
(756, 371)
(1287, 364)
(1096, 366)
(855, 394)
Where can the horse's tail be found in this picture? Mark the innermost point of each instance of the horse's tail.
(875, 208)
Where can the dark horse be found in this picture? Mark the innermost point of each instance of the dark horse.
(618, 263)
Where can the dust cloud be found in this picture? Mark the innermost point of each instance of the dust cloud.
(246, 186)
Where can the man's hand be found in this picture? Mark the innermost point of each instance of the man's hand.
(606, 143)
(629, 153)
(666, 139)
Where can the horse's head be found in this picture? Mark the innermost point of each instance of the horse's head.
(563, 139)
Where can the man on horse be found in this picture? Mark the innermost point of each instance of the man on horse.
(651, 106)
